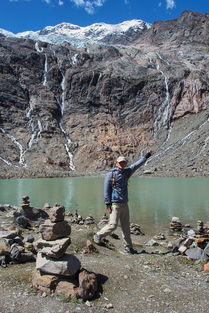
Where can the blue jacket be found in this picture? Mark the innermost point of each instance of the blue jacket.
(116, 182)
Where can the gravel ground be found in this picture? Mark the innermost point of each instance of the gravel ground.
(146, 282)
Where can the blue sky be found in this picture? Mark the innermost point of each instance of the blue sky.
(22, 15)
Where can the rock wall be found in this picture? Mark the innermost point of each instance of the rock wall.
(67, 110)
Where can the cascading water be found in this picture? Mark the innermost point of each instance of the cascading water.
(163, 115)
(67, 139)
(182, 141)
(45, 83)
(35, 126)
(22, 162)
(37, 48)
(74, 59)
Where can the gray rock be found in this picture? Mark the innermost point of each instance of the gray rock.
(67, 265)
(15, 253)
(205, 254)
(7, 234)
(23, 221)
(18, 240)
(29, 238)
(54, 249)
(57, 214)
(4, 247)
(34, 214)
(152, 243)
(53, 231)
(194, 253)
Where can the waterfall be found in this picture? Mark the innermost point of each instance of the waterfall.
(37, 48)
(22, 162)
(163, 115)
(162, 59)
(45, 83)
(182, 141)
(74, 59)
(68, 141)
(36, 127)
(40, 50)
(7, 162)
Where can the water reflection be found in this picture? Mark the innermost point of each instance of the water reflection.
(152, 201)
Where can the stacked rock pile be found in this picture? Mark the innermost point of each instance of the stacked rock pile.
(175, 224)
(194, 243)
(135, 229)
(15, 248)
(56, 271)
(78, 219)
(28, 216)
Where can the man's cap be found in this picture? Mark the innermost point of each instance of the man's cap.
(121, 159)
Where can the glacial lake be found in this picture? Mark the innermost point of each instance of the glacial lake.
(153, 201)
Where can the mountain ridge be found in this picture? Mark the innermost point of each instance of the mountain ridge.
(81, 35)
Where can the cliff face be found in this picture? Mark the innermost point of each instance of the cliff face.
(68, 110)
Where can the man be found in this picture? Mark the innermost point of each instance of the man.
(116, 200)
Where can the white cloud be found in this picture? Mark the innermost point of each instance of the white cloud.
(170, 4)
(89, 5)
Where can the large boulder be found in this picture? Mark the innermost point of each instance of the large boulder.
(34, 214)
(88, 285)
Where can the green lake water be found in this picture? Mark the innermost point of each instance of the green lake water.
(153, 201)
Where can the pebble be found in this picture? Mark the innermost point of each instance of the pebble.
(167, 290)
(88, 303)
(108, 306)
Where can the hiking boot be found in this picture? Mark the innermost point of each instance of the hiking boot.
(130, 250)
(97, 239)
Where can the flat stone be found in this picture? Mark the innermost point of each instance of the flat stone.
(188, 242)
(57, 214)
(194, 253)
(53, 231)
(54, 249)
(182, 249)
(152, 243)
(44, 282)
(67, 265)
(67, 289)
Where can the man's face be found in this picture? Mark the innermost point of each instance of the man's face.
(121, 165)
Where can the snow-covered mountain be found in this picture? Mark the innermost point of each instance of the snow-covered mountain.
(121, 33)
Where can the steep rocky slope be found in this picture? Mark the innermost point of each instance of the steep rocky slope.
(67, 110)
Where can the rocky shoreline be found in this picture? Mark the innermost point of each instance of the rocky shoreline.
(170, 273)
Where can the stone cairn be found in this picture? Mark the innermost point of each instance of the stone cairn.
(175, 224)
(58, 272)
